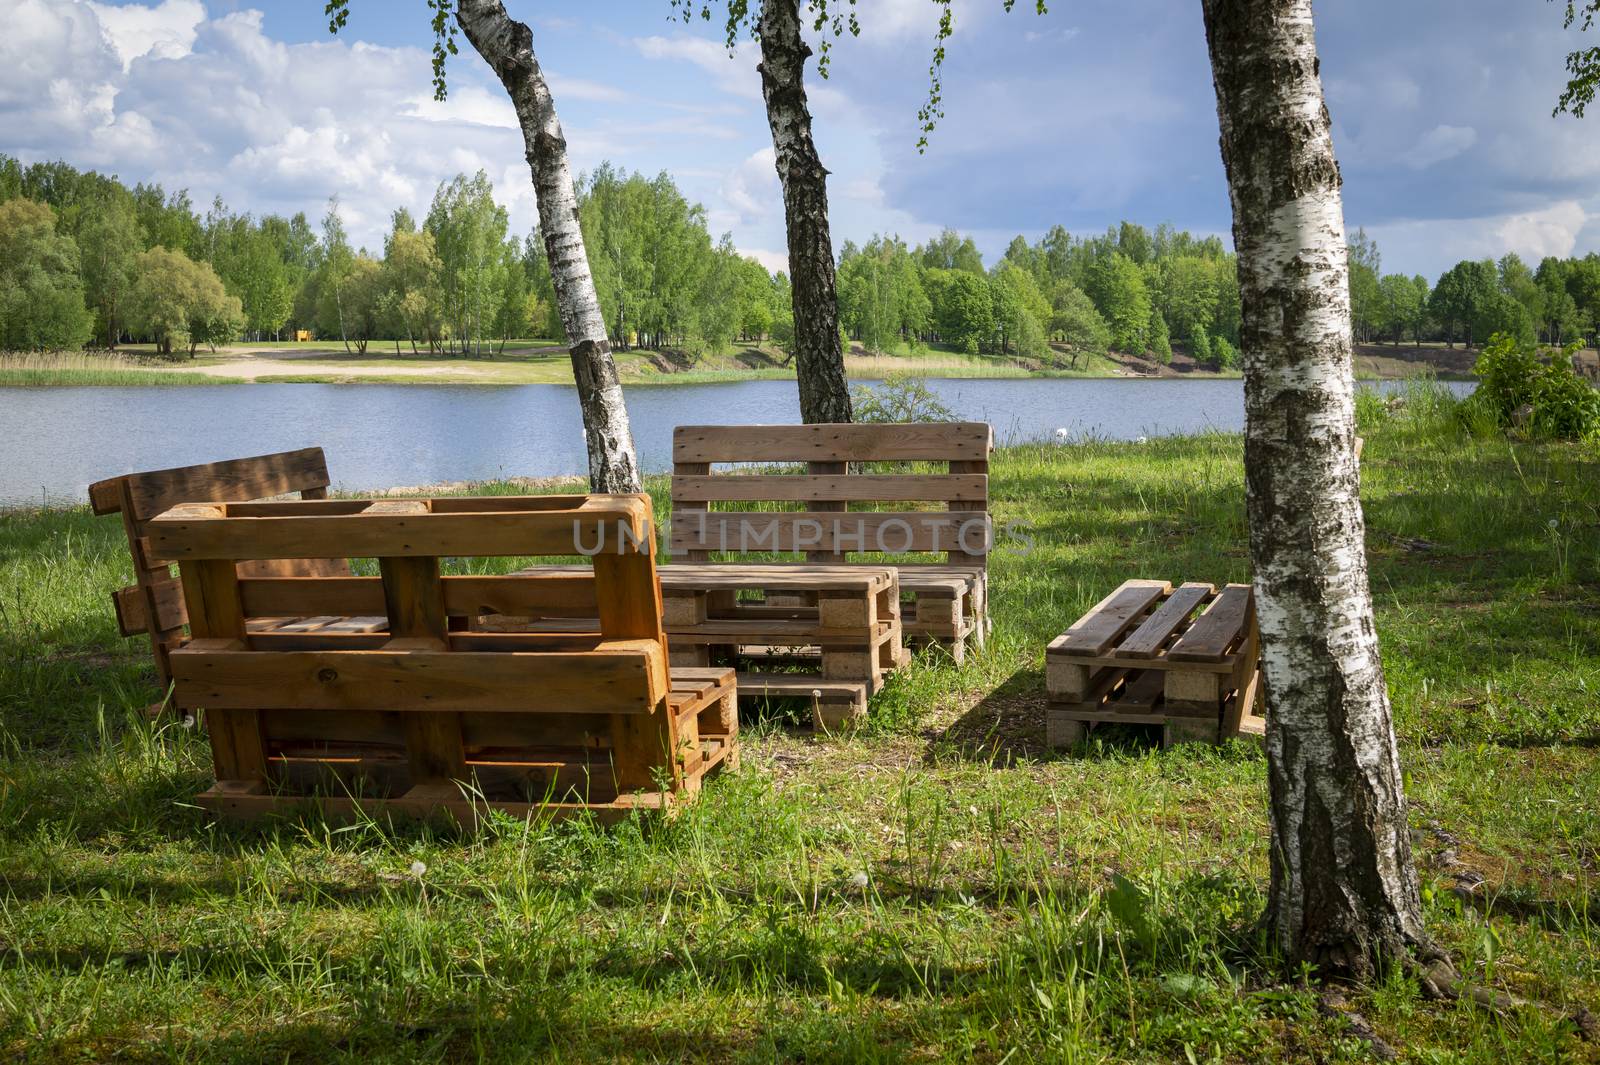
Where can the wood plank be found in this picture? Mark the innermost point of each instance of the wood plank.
(1141, 693)
(1213, 632)
(888, 532)
(852, 488)
(629, 599)
(626, 676)
(1097, 630)
(1146, 640)
(187, 533)
(689, 577)
(154, 491)
(832, 443)
(567, 594)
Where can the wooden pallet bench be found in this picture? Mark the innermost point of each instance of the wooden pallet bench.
(153, 604)
(1185, 659)
(839, 506)
(422, 717)
(834, 650)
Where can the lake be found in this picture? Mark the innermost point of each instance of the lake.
(55, 441)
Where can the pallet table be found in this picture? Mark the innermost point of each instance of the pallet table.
(423, 717)
(1185, 659)
(834, 647)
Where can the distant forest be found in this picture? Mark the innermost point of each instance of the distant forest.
(84, 259)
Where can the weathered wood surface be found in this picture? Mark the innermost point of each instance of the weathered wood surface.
(1185, 659)
(153, 604)
(420, 712)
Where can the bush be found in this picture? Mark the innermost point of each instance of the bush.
(899, 398)
(1520, 387)
(1199, 346)
(1226, 354)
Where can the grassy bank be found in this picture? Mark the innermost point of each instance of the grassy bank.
(82, 368)
(939, 887)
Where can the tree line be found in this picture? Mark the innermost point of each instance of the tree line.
(1057, 300)
(85, 259)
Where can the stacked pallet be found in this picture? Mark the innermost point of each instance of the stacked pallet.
(914, 496)
(1185, 660)
(829, 635)
(423, 716)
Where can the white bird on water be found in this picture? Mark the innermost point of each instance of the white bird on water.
(1062, 435)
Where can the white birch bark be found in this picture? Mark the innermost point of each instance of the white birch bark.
(819, 358)
(507, 46)
(1344, 893)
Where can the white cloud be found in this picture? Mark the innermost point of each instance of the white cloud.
(774, 261)
(166, 31)
(735, 74)
(752, 188)
(1553, 230)
(1439, 144)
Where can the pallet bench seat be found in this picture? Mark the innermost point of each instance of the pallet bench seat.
(1186, 660)
(153, 604)
(914, 496)
(422, 717)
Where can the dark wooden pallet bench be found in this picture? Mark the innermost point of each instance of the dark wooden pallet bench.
(153, 604)
(833, 647)
(424, 717)
(1185, 659)
(837, 509)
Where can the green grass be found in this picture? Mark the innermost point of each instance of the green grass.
(81, 368)
(937, 887)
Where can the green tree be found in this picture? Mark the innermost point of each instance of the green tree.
(178, 302)
(1076, 322)
(41, 297)
(110, 241)
(963, 308)
(1160, 337)
(1117, 286)
(1399, 303)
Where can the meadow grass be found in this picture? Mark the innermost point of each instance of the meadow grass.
(28, 370)
(938, 886)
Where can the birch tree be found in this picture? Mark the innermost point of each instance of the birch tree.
(1344, 896)
(507, 46)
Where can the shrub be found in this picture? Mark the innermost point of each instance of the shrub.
(1520, 387)
(899, 398)
(1199, 346)
(1226, 354)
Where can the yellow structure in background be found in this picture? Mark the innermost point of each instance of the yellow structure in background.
(303, 334)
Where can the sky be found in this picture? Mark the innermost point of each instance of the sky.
(1097, 111)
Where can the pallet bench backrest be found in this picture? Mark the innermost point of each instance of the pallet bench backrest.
(938, 505)
(439, 698)
(153, 603)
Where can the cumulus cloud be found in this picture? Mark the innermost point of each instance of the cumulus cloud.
(166, 31)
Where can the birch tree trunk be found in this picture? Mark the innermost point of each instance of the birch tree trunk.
(819, 360)
(507, 46)
(1344, 893)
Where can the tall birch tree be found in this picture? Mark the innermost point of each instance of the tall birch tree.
(1344, 896)
(507, 46)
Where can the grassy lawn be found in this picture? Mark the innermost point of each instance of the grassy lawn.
(936, 887)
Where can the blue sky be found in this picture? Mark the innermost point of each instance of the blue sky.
(1099, 110)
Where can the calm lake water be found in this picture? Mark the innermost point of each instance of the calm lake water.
(55, 441)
